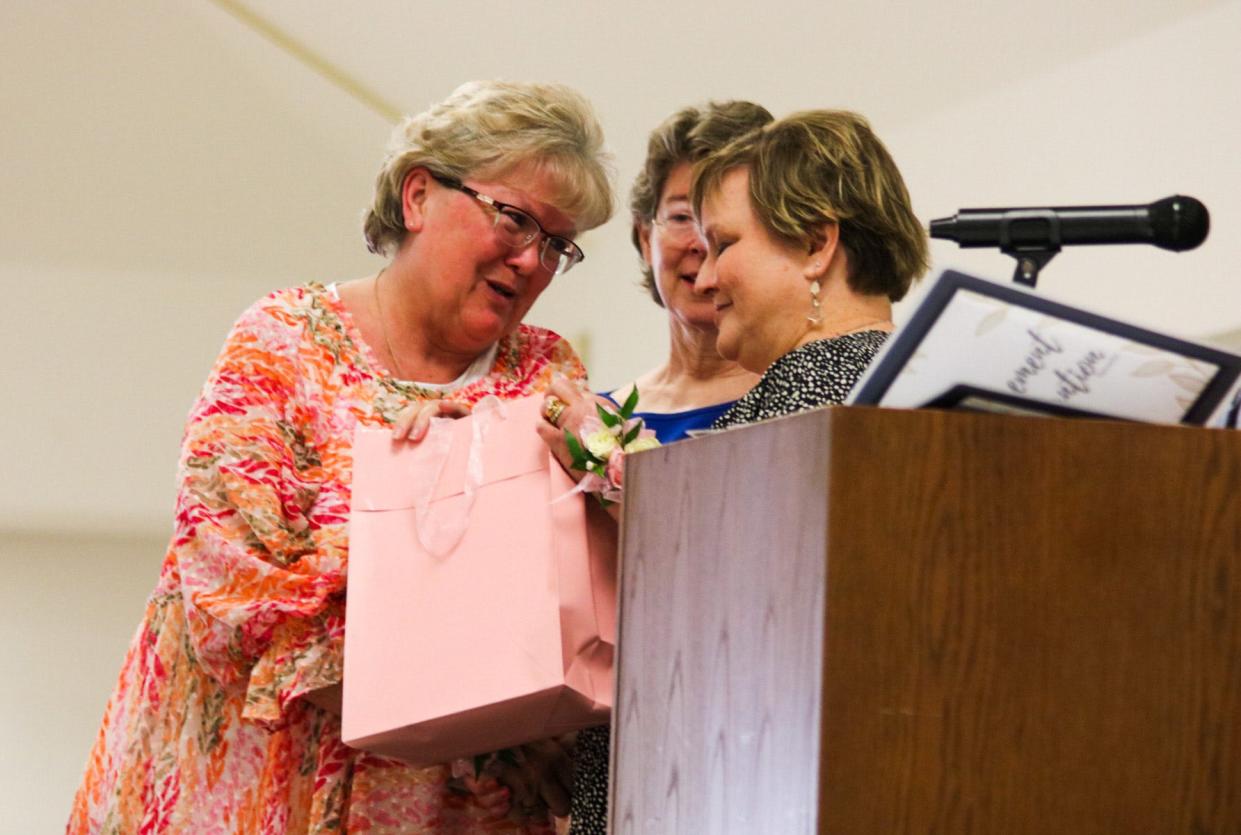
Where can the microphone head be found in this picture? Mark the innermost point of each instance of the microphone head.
(1179, 223)
(944, 227)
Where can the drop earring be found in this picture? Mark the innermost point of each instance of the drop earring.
(816, 310)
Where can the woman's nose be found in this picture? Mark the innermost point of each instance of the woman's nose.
(704, 281)
(524, 260)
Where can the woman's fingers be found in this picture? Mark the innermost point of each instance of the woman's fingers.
(553, 769)
(492, 796)
(414, 421)
(540, 776)
(556, 796)
(421, 423)
(562, 397)
(523, 783)
(557, 783)
(404, 420)
(564, 765)
(553, 409)
(565, 390)
(554, 438)
(568, 406)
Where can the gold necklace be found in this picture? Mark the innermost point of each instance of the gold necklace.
(865, 326)
(383, 328)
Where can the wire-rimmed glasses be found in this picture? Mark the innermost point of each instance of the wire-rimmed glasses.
(679, 227)
(518, 229)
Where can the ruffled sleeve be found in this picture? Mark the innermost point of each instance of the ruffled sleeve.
(260, 561)
(532, 359)
(563, 360)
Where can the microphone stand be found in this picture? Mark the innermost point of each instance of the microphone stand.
(1031, 256)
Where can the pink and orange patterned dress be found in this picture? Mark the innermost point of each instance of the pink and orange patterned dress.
(206, 731)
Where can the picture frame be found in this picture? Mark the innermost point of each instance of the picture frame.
(978, 344)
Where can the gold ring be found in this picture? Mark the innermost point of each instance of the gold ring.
(553, 409)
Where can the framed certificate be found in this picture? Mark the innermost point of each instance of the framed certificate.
(976, 344)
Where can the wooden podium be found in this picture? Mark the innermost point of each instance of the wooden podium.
(870, 621)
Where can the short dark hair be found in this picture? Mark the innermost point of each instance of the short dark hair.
(686, 136)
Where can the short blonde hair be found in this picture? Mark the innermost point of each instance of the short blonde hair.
(686, 136)
(821, 166)
(488, 129)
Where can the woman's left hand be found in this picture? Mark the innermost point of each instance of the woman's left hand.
(542, 778)
(493, 797)
(413, 421)
(577, 406)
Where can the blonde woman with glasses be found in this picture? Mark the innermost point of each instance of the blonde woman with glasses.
(212, 728)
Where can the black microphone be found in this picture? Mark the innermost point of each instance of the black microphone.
(1177, 223)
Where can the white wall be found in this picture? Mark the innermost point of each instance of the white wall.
(68, 607)
(162, 165)
(1003, 103)
(1143, 119)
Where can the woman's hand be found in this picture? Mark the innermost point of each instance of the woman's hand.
(414, 420)
(541, 779)
(577, 406)
(486, 789)
(493, 797)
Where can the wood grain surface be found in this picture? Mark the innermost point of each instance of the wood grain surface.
(858, 621)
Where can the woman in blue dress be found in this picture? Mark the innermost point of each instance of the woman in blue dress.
(694, 385)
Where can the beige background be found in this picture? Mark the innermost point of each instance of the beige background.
(162, 164)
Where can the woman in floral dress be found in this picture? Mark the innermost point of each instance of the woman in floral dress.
(209, 729)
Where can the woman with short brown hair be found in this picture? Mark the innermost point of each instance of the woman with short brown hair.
(810, 238)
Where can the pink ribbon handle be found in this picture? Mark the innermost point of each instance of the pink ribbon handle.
(440, 530)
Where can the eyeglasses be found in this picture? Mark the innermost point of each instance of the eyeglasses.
(518, 229)
(679, 227)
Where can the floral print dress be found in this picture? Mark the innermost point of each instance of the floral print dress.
(206, 731)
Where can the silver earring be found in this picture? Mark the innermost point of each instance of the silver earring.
(816, 310)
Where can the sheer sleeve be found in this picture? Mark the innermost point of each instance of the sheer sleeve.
(564, 360)
(546, 354)
(260, 561)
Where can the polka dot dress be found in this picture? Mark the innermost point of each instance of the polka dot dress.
(818, 373)
(589, 815)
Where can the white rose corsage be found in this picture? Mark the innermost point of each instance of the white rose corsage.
(600, 450)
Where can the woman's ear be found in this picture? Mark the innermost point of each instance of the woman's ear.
(644, 240)
(414, 197)
(824, 243)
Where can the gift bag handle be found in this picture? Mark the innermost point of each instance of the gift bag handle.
(440, 530)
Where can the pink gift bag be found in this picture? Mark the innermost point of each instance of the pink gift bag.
(481, 602)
